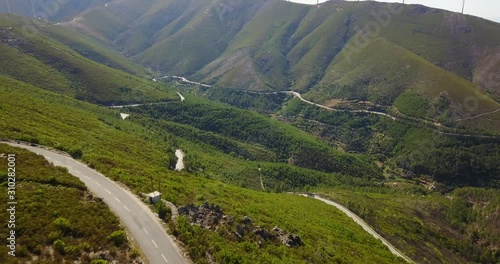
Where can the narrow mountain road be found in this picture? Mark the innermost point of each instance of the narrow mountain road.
(130, 105)
(478, 116)
(140, 222)
(298, 95)
(363, 224)
(186, 80)
(419, 120)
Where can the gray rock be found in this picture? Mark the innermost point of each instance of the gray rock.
(246, 220)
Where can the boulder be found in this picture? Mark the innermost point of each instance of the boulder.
(246, 220)
(294, 241)
(264, 234)
(240, 231)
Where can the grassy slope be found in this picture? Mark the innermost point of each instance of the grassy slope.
(200, 32)
(445, 39)
(458, 228)
(93, 49)
(289, 144)
(384, 75)
(39, 60)
(300, 40)
(45, 193)
(262, 43)
(56, 11)
(127, 152)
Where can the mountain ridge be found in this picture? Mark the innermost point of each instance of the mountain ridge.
(271, 45)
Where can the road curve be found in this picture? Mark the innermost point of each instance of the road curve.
(363, 224)
(298, 95)
(140, 222)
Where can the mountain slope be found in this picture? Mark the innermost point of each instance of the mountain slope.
(135, 154)
(276, 45)
(396, 76)
(57, 10)
(31, 56)
(460, 44)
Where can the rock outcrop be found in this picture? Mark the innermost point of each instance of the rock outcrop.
(211, 217)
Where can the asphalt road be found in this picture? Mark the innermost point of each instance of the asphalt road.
(140, 222)
(363, 224)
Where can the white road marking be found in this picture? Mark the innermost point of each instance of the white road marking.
(107, 191)
(164, 258)
(117, 199)
(145, 231)
(98, 184)
(127, 208)
(154, 243)
(87, 177)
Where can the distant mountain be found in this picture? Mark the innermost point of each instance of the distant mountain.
(344, 50)
(388, 54)
(55, 10)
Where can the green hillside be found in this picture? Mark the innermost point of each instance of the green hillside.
(308, 37)
(34, 58)
(334, 50)
(246, 148)
(94, 49)
(131, 152)
(404, 79)
(431, 227)
(50, 10)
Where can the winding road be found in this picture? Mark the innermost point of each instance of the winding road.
(423, 121)
(138, 219)
(186, 80)
(298, 95)
(363, 224)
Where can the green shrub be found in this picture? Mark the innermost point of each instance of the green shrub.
(55, 235)
(72, 250)
(118, 237)
(164, 212)
(134, 253)
(59, 246)
(99, 261)
(76, 153)
(63, 225)
(86, 246)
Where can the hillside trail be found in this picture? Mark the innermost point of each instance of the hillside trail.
(477, 116)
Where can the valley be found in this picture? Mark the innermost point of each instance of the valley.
(230, 109)
(436, 125)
